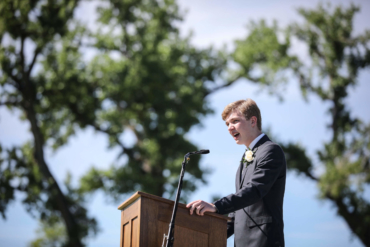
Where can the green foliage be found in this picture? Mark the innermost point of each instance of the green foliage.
(262, 58)
(51, 234)
(152, 84)
(65, 95)
(336, 56)
(21, 173)
(40, 74)
(144, 79)
(297, 159)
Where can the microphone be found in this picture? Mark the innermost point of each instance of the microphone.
(203, 151)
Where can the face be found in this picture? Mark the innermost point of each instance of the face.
(242, 130)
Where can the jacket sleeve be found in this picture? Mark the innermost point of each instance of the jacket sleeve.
(267, 170)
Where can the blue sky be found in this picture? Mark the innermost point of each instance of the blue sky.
(308, 221)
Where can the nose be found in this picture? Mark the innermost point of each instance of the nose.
(230, 127)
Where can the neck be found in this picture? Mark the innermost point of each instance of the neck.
(254, 137)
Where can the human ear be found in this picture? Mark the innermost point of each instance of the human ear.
(253, 120)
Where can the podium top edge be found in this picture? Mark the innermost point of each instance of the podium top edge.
(138, 194)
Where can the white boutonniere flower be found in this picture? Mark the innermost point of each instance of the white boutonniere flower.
(248, 157)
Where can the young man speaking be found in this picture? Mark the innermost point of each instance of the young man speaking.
(256, 208)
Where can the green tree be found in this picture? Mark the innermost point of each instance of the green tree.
(144, 79)
(336, 57)
(153, 85)
(40, 76)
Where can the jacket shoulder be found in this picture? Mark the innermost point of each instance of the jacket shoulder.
(271, 148)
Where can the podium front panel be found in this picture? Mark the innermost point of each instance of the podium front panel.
(145, 219)
(130, 225)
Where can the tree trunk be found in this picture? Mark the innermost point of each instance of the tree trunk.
(71, 225)
(356, 222)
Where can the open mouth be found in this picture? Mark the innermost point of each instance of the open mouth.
(236, 135)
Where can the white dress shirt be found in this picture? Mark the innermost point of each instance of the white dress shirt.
(254, 142)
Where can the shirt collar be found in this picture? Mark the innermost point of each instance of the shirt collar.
(254, 142)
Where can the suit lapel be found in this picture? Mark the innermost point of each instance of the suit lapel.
(238, 173)
(237, 178)
(243, 175)
(255, 148)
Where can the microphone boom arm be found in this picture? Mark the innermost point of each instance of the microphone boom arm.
(169, 238)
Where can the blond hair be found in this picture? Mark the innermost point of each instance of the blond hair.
(248, 108)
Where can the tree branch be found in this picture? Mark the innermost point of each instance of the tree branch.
(352, 219)
(105, 49)
(305, 84)
(37, 52)
(229, 83)
(125, 150)
(22, 53)
(15, 83)
(311, 176)
(10, 103)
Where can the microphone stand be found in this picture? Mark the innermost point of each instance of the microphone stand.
(169, 238)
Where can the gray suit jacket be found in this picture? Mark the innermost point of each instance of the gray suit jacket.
(257, 206)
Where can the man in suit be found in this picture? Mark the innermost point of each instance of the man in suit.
(256, 208)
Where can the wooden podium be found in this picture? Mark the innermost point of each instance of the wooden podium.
(145, 219)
